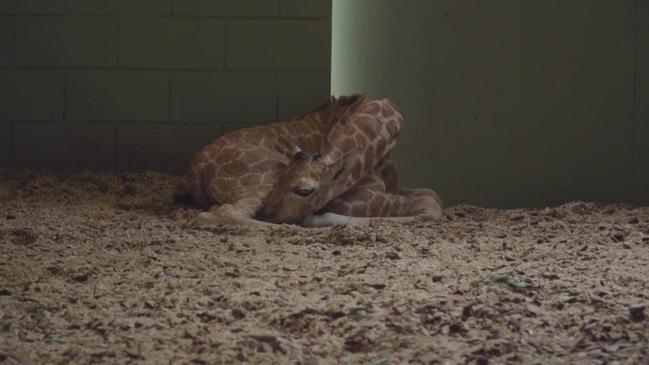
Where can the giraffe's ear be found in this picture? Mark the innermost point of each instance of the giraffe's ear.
(296, 149)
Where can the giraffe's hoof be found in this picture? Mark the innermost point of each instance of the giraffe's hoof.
(311, 221)
(430, 208)
(316, 221)
(325, 220)
(206, 218)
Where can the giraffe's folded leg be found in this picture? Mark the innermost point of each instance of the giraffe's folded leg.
(333, 219)
(386, 171)
(231, 214)
(427, 207)
(419, 192)
(363, 206)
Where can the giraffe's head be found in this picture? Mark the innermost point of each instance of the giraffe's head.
(306, 184)
(303, 188)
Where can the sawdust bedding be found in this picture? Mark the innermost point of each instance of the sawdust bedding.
(105, 268)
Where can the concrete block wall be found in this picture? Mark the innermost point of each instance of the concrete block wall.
(143, 84)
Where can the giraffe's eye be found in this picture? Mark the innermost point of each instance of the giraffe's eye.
(302, 155)
(339, 173)
(304, 192)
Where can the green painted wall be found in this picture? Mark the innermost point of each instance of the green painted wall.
(131, 85)
(508, 103)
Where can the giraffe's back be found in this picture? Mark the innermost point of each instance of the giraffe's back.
(246, 163)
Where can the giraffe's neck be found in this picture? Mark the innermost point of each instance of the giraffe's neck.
(310, 131)
(361, 140)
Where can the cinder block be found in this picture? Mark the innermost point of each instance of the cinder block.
(171, 43)
(5, 7)
(64, 145)
(88, 7)
(119, 7)
(5, 143)
(32, 7)
(227, 97)
(306, 8)
(31, 94)
(6, 42)
(66, 41)
(281, 44)
(162, 147)
(300, 92)
(226, 7)
(117, 95)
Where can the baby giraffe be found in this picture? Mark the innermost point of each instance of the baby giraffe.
(234, 174)
(264, 174)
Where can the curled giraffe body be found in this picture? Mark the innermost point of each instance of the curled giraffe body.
(327, 161)
(233, 175)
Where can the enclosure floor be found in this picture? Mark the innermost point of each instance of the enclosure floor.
(103, 268)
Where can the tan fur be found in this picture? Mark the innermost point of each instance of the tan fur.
(234, 173)
(378, 195)
(256, 172)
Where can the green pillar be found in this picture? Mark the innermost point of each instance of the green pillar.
(507, 103)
